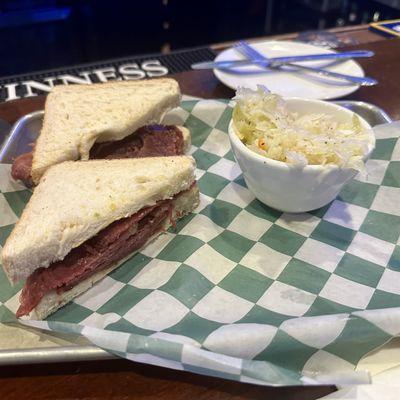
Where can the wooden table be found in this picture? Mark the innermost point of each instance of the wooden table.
(121, 379)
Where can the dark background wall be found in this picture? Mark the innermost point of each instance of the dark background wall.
(41, 34)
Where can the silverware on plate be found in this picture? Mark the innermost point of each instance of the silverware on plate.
(245, 49)
(282, 60)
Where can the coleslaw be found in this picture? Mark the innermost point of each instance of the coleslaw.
(264, 124)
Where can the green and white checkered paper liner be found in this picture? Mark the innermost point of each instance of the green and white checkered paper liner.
(239, 290)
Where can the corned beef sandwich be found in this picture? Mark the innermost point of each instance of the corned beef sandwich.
(119, 119)
(85, 218)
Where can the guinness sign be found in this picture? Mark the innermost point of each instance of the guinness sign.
(17, 87)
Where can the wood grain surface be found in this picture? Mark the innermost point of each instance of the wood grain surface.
(121, 379)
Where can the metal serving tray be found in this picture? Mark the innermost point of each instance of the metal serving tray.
(29, 349)
(26, 129)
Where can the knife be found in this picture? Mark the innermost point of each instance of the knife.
(282, 60)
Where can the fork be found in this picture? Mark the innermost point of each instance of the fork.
(249, 52)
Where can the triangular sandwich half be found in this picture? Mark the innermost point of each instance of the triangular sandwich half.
(106, 120)
(86, 217)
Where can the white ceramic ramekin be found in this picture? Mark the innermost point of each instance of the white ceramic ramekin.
(291, 188)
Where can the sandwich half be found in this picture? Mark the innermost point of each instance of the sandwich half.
(87, 217)
(106, 120)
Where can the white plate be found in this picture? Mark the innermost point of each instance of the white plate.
(291, 84)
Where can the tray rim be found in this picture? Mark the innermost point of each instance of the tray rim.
(22, 120)
(15, 128)
(74, 352)
(370, 106)
(54, 354)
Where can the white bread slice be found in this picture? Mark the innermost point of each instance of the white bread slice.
(187, 139)
(75, 200)
(52, 301)
(76, 116)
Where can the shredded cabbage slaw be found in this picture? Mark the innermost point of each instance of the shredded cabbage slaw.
(264, 124)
